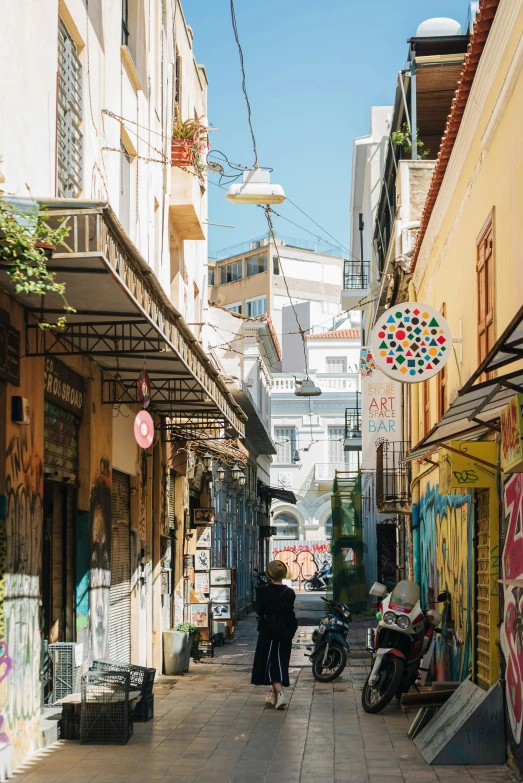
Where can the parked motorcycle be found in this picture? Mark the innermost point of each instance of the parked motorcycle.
(315, 583)
(329, 657)
(405, 635)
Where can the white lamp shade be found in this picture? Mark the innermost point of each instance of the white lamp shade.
(255, 188)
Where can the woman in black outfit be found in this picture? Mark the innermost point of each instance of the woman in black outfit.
(273, 650)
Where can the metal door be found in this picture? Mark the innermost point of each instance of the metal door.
(120, 605)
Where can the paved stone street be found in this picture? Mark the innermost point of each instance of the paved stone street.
(212, 726)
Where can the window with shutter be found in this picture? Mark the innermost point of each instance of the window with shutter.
(69, 136)
(285, 438)
(485, 287)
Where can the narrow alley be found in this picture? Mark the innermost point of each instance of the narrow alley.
(213, 726)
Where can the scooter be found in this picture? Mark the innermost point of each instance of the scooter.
(329, 657)
(315, 583)
(402, 645)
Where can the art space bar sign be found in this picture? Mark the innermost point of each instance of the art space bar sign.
(63, 386)
(381, 409)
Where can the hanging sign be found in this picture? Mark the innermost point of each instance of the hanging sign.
(381, 410)
(411, 342)
(144, 388)
(9, 350)
(143, 429)
(463, 471)
(63, 386)
(511, 436)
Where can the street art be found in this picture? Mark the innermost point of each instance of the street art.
(302, 560)
(511, 630)
(99, 567)
(446, 564)
(20, 563)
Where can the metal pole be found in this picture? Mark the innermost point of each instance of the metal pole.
(413, 111)
(400, 77)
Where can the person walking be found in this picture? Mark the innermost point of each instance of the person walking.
(277, 625)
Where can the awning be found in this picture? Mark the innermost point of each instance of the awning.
(479, 405)
(259, 435)
(277, 493)
(125, 322)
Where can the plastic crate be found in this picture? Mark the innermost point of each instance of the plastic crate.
(105, 713)
(142, 678)
(65, 674)
(144, 710)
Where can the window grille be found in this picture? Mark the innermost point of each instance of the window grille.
(69, 136)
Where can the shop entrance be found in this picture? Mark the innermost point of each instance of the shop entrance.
(387, 551)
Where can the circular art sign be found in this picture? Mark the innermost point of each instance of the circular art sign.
(143, 429)
(411, 342)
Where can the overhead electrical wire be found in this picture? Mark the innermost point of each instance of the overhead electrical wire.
(244, 85)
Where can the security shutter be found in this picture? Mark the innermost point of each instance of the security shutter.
(60, 443)
(486, 658)
(120, 613)
(172, 517)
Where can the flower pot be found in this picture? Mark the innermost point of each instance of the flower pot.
(187, 657)
(175, 650)
(182, 152)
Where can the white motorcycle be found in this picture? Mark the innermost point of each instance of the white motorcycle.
(402, 646)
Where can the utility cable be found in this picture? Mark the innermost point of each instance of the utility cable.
(244, 85)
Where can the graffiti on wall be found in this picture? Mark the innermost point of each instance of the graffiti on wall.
(302, 560)
(511, 630)
(446, 564)
(20, 563)
(100, 560)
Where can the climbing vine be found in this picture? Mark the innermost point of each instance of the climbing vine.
(24, 238)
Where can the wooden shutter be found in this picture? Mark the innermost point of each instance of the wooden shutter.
(120, 593)
(485, 289)
(69, 116)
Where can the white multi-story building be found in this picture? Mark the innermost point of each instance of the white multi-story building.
(315, 436)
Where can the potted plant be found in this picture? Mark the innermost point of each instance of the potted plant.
(403, 137)
(189, 141)
(193, 636)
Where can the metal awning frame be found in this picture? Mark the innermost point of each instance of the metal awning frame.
(507, 349)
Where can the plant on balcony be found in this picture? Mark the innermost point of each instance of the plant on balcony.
(189, 143)
(26, 241)
(403, 137)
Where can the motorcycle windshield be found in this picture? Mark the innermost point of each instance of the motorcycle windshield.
(405, 594)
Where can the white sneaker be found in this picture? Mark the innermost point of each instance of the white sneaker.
(280, 701)
(271, 699)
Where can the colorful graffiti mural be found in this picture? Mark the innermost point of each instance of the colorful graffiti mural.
(20, 640)
(511, 630)
(302, 559)
(445, 549)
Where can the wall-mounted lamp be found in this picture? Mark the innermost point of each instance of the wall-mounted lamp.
(242, 479)
(207, 461)
(296, 456)
(220, 473)
(235, 471)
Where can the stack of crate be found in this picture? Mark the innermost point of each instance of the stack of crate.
(142, 679)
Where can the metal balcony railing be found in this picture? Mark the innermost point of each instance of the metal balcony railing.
(352, 423)
(356, 275)
(393, 476)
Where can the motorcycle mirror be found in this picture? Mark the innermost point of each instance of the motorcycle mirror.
(378, 589)
(444, 596)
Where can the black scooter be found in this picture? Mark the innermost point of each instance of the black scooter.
(315, 583)
(329, 657)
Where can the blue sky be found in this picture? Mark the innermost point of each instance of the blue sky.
(313, 72)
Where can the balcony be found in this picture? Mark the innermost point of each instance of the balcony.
(356, 279)
(393, 476)
(352, 429)
(328, 382)
(185, 204)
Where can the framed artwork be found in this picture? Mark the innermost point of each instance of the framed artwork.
(221, 595)
(203, 516)
(221, 611)
(202, 560)
(201, 582)
(199, 615)
(220, 577)
(203, 537)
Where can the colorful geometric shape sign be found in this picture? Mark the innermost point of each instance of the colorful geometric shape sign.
(411, 342)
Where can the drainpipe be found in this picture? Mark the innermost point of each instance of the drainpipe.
(414, 520)
(413, 111)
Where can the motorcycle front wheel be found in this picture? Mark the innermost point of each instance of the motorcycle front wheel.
(309, 587)
(334, 665)
(376, 697)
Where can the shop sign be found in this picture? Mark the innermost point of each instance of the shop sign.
(511, 434)
(63, 386)
(381, 409)
(9, 350)
(463, 471)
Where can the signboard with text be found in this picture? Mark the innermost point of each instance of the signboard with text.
(511, 432)
(9, 350)
(63, 386)
(381, 410)
(463, 471)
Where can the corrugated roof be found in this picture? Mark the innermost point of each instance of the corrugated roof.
(341, 334)
(484, 18)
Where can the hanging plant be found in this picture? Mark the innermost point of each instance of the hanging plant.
(24, 240)
(403, 137)
(189, 143)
